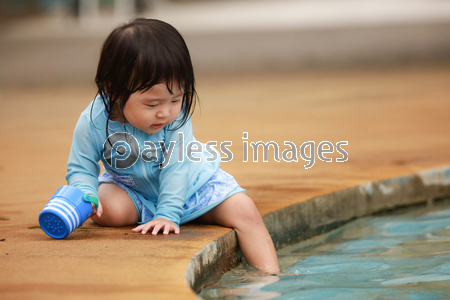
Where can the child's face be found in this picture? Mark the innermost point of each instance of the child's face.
(153, 109)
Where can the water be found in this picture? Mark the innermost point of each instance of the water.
(403, 255)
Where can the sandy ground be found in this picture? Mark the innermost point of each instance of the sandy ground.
(396, 122)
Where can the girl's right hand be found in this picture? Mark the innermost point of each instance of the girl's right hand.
(98, 212)
(156, 225)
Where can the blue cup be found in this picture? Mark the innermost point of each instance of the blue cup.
(65, 211)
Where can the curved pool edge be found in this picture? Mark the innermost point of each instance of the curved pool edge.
(317, 215)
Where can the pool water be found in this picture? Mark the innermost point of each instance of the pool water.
(403, 255)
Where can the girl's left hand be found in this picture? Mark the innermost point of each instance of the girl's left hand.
(157, 225)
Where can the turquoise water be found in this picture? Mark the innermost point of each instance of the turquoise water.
(403, 255)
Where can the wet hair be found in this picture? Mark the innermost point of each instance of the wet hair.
(138, 55)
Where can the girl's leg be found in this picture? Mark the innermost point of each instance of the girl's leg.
(118, 208)
(239, 212)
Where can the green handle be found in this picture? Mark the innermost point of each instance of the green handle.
(92, 199)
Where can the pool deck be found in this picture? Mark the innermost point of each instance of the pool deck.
(396, 122)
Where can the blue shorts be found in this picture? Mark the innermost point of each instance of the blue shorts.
(218, 188)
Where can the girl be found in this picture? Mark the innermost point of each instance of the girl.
(139, 126)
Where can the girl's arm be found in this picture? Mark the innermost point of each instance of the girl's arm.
(174, 177)
(83, 168)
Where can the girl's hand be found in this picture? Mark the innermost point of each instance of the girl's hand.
(98, 212)
(157, 225)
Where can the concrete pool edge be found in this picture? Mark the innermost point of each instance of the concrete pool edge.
(320, 214)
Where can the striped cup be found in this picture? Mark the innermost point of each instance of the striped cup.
(65, 211)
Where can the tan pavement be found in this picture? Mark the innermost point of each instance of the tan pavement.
(396, 122)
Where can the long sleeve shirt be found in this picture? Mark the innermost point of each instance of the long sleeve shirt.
(140, 160)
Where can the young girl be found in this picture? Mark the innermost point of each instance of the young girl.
(139, 126)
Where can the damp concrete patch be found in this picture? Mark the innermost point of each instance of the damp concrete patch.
(321, 214)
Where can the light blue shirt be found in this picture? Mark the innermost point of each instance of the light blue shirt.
(165, 188)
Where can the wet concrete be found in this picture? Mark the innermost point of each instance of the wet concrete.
(396, 122)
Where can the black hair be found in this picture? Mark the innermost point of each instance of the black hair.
(140, 54)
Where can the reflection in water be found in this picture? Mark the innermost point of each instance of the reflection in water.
(247, 283)
(404, 255)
